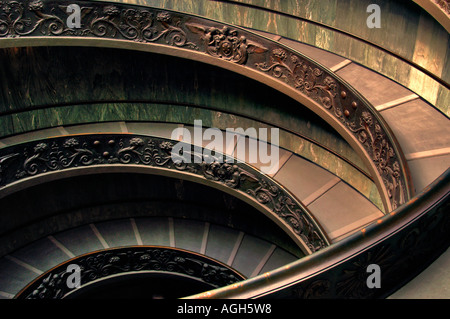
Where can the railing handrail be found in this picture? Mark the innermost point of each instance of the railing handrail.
(336, 254)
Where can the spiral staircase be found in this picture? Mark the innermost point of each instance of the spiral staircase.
(88, 117)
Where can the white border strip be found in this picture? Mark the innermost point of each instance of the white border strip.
(171, 233)
(340, 65)
(123, 127)
(62, 130)
(396, 102)
(319, 192)
(6, 295)
(205, 239)
(426, 154)
(235, 249)
(136, 232)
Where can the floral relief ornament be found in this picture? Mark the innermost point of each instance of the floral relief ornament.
(226, 43)
(17, 20)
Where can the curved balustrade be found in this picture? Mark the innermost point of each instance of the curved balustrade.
(415, 61)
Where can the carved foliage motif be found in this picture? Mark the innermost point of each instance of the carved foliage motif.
(285, 207)
(18, 19)
(14, 19)
(370, 134)
(316, 289)
(138, 25)
(63, 153)
(53, 285)
(226, 43)
(47, 157)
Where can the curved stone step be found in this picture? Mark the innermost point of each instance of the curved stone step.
(339, 208)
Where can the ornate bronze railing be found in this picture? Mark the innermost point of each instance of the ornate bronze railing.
(42, 22)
